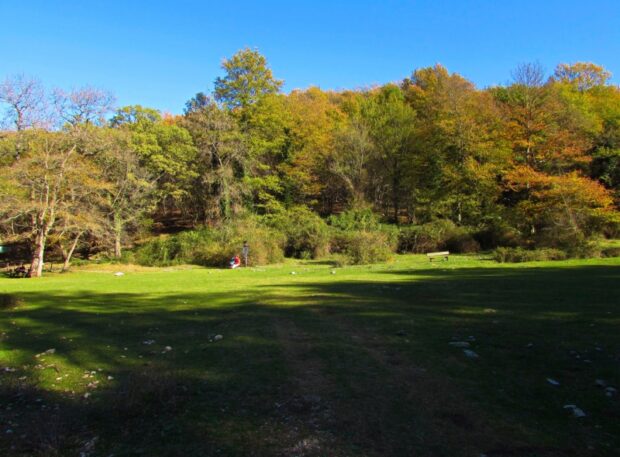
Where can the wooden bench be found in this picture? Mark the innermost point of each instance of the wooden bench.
(435, 255)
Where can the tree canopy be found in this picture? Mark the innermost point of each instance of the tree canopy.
(538, 156)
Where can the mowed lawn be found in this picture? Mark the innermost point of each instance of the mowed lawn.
(352, 361)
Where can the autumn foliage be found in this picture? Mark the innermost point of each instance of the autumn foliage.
(532, 163)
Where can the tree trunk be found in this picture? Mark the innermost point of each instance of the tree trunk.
(118, 231)
(68, 255)
(396, 203)
(36, 265)
(396, 190)
(396, 199)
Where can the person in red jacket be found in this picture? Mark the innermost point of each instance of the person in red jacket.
(235, 261)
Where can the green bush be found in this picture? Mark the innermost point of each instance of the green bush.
(438, 235)
(356, 219)
(214, 246)
(498, 232)
(160, 251)
(584, 250)
(462, 241)
(307, 235)
(575, 243)
(340, 260)
(517, 255)
(611, 252)
(361, 247)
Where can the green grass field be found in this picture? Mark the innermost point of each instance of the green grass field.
(356, 363)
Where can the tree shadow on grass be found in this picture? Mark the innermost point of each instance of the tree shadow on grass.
(336, 367)
(525, 325)
(139, 375)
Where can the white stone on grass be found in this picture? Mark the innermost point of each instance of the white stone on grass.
(49, 351)
(471, 354)
(611, 391)
(459, 344)
(577, 412)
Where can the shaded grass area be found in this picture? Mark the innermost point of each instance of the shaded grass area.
(352, 363)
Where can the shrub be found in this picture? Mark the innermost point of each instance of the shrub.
(611, 252)
(340, 260)
(584, 250)
(462, 241)
(128, 257)
(612, 228)
(498, 233)
(575, 243)
(356, 219)
(436, 236)
(214, 246)
(159, 251)
(339, 241)
(307, 235)
(516, 255)
(392, 234)
(360, 247)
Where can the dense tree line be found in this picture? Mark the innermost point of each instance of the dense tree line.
(538, 158)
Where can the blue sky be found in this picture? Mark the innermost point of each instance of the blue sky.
(160, 53)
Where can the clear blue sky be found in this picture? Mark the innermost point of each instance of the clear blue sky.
(160, 53)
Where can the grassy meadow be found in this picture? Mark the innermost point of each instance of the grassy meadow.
(314, 361)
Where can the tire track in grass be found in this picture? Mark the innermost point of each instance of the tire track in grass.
(306, 410)
(364, 405)
(377, 409)
(362, 400)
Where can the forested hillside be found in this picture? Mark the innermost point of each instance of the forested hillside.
(429, 162)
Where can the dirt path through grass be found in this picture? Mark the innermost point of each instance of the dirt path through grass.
(307, 409)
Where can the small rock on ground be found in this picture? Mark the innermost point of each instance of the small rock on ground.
(459, 344)
(471, 354)
(611, 391)
(577, 412)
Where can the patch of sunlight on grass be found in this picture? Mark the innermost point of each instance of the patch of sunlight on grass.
(558, 315)
(476, 311)
(378, 314)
